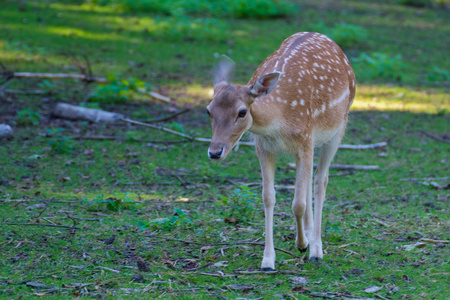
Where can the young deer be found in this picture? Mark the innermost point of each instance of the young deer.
(298, 98)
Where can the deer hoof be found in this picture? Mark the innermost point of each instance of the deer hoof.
(303, 250)
(267, 269)
(315, 259)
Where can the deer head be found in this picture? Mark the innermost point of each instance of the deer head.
(230, 109)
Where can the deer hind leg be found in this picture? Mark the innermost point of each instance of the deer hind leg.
(320, 184)
(308, 218)
(267, 161)
(303, 213)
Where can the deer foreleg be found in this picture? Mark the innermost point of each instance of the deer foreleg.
(267, 162)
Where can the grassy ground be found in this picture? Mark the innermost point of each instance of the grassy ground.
(131, 205)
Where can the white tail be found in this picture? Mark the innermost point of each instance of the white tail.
(298, 98)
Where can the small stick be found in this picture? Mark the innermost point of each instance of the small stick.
(435, 137)
(424, 179)
(434, 241)
(168, 117)
(344, 167)
(30, 92)
(363, 147)
(46, 225)
(159, 128)
(232, 244)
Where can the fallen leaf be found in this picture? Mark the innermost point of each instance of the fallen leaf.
(36, 206)
(142, 265)
(204, 248)
(299, 280)
(372, 289)
(219, 264)
(230, 220)
(39, 285)
(241, 287)
(300, 289)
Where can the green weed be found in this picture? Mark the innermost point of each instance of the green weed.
(217, 8)
(438, 75)
(177, 220)
(379, 65)
(348, 35)
(118, 90)
(241, 205)
(120, 202)
(59, 143)
(27, 117)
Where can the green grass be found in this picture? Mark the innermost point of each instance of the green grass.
(148, 195)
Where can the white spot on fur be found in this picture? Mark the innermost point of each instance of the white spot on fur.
(294, 103)
(302, 102)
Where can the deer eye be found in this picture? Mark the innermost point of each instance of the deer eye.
(242, 113)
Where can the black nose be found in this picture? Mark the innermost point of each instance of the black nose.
(215, 155)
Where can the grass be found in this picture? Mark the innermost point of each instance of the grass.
(133, 200)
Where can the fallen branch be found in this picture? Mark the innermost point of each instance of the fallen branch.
(81, 77)
(163, 119)
(434, 241)
(435, 137)
(46, 225)
(72, 112)
(424, 179)
(229, 244)
(344, 167)
(363, 147)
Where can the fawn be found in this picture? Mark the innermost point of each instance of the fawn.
(298, 98)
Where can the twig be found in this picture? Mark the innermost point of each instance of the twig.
(252, 144)
(73, 220)
(84, 219)
(30, 92)
(435, 241)
(344, 167)
(81, 77)
(97, 138)
(435, 137)
(46, 225)
(363, 147)
(424, 179)
(40, 214)
(168, 117)
(230, 244)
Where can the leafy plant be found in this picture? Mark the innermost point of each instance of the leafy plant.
(181, 27)
(46, 85)
(241, 205)
(217, 8)
(415, 3)
(345, 35)
(379, 65)
(438, 74)
(59, 143)
(118, 90)
(27, 117)
(117, 203)
(177, 220)
(348, 35)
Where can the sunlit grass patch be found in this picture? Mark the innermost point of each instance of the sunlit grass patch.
(384, 98)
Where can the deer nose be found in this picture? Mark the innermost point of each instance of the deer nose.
(215, 155)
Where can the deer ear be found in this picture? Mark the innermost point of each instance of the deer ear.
(264, 84)
(223, 70)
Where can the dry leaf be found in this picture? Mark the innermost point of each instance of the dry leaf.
(372, 289)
